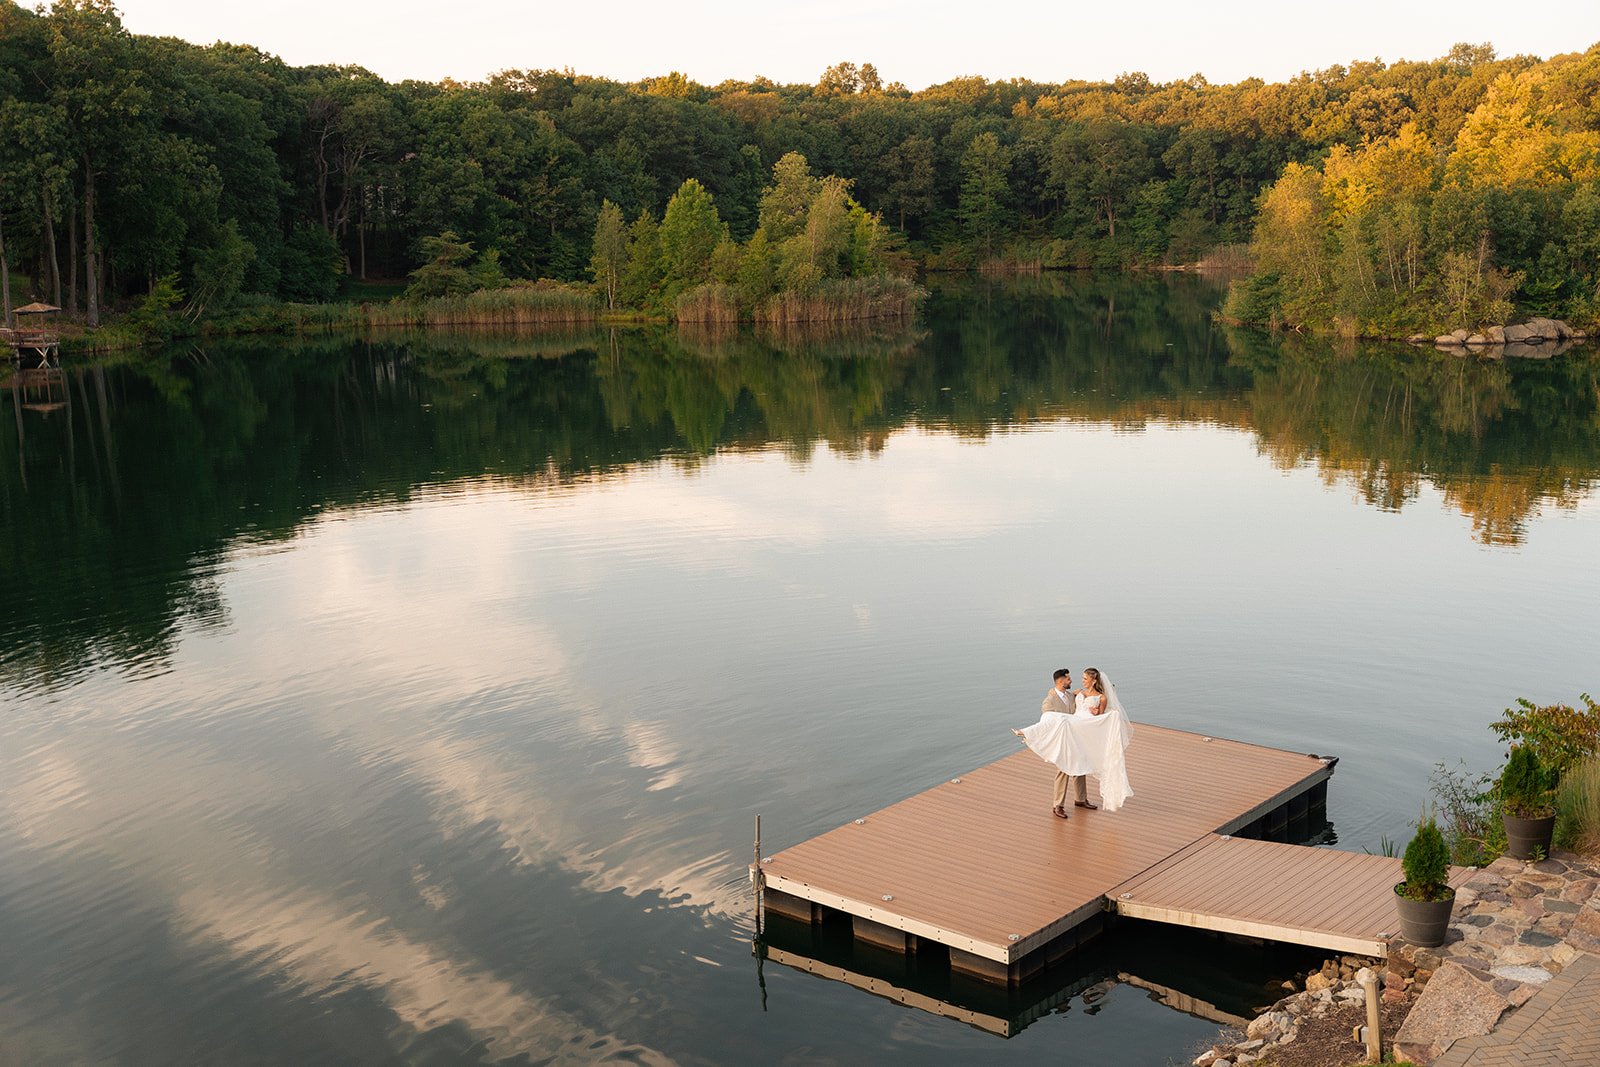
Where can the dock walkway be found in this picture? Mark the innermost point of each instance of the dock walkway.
(979, 866)
(1324, 898)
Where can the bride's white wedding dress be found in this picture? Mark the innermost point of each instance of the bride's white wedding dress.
(1081, 742)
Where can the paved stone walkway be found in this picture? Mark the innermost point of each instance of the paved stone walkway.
(1559, 1027)
(1518, 977)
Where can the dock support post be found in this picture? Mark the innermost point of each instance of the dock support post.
(1369, 984)
(1317, 798)
(975, 966)
(760, 877)
(786, 904)
(874, 933)
(1277, 824)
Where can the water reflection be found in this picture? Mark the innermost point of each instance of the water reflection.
(142, 474)
(409, 699)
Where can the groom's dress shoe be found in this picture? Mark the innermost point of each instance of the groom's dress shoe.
(1085, 804)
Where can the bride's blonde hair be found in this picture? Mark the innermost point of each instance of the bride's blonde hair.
(1091, 672)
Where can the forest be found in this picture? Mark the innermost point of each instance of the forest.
(1373, 197)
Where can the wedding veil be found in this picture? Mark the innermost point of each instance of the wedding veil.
(1114, 705)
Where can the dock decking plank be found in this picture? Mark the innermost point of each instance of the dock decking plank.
(1321, 897)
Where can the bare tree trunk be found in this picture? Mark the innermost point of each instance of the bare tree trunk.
(91, 267)
(5, 278)
(55, 262)
(361, 233)
(72, 262)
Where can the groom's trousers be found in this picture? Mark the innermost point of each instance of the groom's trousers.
(1078, 783)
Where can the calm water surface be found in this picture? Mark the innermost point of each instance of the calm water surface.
(410, 701)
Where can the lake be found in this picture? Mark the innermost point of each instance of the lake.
(410, 700)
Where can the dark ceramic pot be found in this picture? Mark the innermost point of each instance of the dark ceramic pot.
(1424, 922)
(1527, 838)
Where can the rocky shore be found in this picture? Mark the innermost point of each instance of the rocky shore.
(1515, 926)
(1534, 339)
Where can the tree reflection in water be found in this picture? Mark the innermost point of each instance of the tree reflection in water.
(118, 506)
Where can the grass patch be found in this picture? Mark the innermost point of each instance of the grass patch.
(711, 304)
(1578, 809)
(845, 300)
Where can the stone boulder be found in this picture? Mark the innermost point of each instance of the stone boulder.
(1456, 1004)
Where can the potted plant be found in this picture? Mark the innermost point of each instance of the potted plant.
(1526, 807)
(1425, 897)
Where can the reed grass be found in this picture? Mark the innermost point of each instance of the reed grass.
(1578, 808)
(711, 304)
(844, 300)
(1009, 265)
(1228, 261)
(518, 305)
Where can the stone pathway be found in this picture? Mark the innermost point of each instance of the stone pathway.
(1516, 927)
(1560, 1026)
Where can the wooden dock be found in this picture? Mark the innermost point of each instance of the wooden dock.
(1325, 898)
(978, 867)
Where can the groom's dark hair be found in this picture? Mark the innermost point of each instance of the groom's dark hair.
(1060, 674)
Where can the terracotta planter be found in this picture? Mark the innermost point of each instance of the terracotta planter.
(1526, 838)
(1424, 922)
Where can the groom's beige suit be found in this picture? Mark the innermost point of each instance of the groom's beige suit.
(1056, 700)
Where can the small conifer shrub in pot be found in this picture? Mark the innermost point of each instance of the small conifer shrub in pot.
(1425, 897)
(1527, 804)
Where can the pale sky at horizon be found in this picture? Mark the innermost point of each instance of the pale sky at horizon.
(919, 44)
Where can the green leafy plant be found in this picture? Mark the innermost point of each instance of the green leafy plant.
(1558, 734)
(1526, 785)
(1426, 864)
(1469, 806)
(1386, 847)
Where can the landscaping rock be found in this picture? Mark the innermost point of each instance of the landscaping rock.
(1456, 1004)
(1521, 975)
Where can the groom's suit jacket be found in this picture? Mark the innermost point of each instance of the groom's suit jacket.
(1058, 701)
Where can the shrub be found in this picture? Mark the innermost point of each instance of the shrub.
(1578, 809)
(1427, 864)
(1472, 827)
(156, 318)
(1256, 300)
(1525, 785)
(1559, 735)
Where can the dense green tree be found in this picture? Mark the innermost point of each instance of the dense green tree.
(127, 158)
(610, 258)
(642, 281)
(785, 202)
(985, 192)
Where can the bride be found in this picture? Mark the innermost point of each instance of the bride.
(1090, 740)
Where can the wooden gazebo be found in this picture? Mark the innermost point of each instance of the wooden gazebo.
(32, 341)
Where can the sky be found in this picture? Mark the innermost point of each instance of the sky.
(917, 43)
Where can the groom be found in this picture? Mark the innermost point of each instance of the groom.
(1060, 698)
